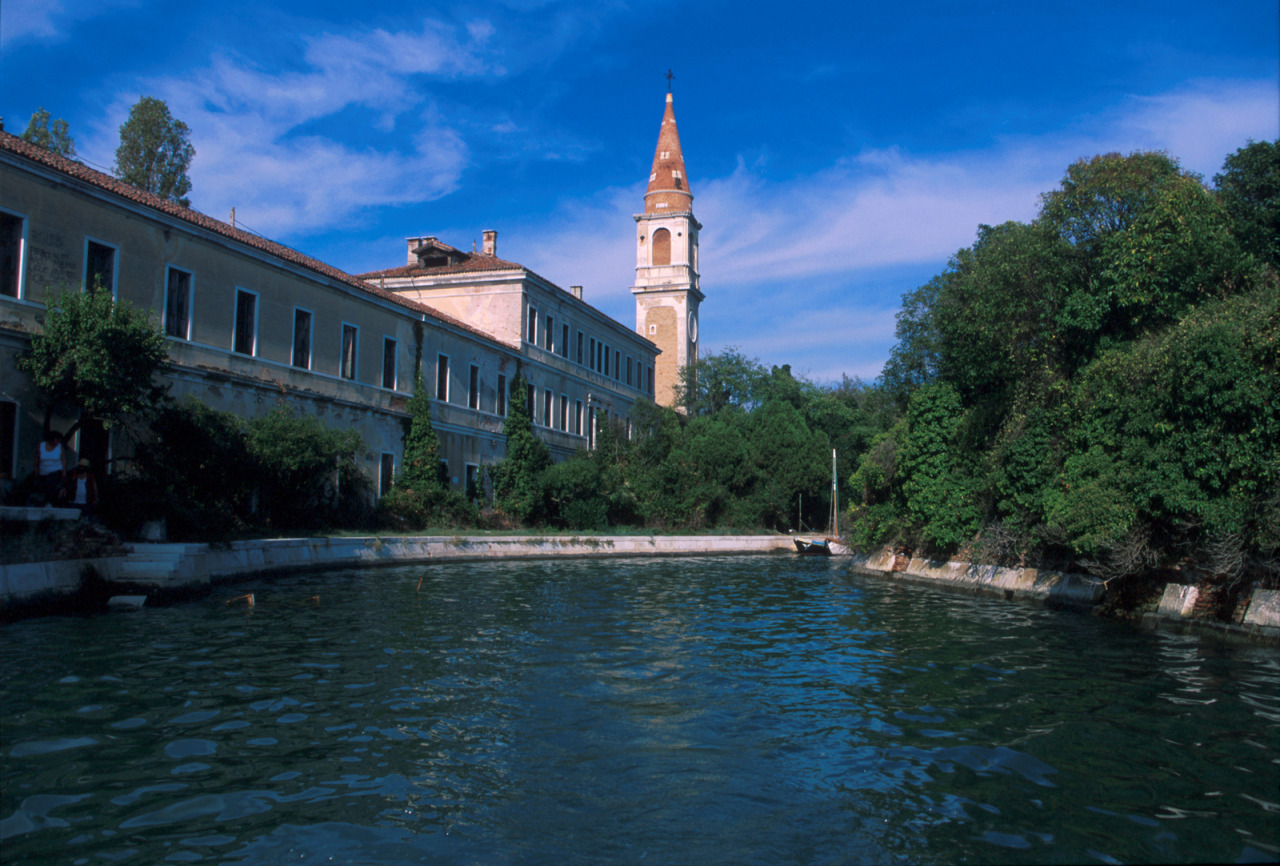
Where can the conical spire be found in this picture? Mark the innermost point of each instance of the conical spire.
(668, 184)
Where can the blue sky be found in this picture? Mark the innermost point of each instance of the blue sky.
(838, 153)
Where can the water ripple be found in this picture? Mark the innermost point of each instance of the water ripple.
(718, 710)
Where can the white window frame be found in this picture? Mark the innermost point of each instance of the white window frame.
(355, 352)
(21, 287)
(549, 334)
(311, 335)
(564, 412)
(235, 322)
(532, 326)
(384, 483)
(473, 387)
(548, 408)
(191, 296)
(441, 356)
(115, 265)
(395, 363)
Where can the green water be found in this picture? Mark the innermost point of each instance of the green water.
(706, 710)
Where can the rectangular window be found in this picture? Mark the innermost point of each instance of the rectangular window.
(472, 481)
(564, 412)
(386, 473)
(8, 438)
(599, 357)
(617, 365)
(443, 468)
(389, 365)
(594, 361)
(606, 360)
(579, 347)
(245, 340)
(13, 238)
(442, 378)
(549, 330)
(501, 406)
(547, 402)
(99, 267)
(577, 417)
(649, 373)
(532, 336)
(564, 340)
(531, 404)
(301, 338)
(177, 304)
(350, 347)
(473, 388)
(628, 369)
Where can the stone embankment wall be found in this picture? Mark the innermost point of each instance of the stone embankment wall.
(1053, 586)
(185, 567)
(1260, 619)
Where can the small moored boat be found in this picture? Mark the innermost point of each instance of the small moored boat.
(829, 544)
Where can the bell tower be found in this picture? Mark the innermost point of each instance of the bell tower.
(666, 288)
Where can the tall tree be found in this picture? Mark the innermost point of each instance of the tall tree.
(98, 354)
(49, 134)
(1249, 189)
(155, 151)
(421, 468)
(517, 479)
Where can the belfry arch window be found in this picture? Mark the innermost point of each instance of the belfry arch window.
(661, 247)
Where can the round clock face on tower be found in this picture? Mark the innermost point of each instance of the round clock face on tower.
(693, 328)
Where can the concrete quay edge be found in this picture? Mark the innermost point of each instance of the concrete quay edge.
(196, 566)
(1054, 587)
(1261, 622)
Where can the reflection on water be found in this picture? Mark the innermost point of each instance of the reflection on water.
(727, 710)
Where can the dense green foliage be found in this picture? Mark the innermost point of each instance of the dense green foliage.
(1099, 386)
(155, 151)
(96, 354)
(517, 481)
(420, 497)
(212, 475)
(421, 466)
(50, 134)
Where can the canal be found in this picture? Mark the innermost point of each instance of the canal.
(761, 709)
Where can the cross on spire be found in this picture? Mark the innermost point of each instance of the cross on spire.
(670, 75)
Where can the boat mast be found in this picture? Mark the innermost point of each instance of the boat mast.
(834, 522)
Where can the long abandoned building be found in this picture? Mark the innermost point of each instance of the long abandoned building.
(251, 324)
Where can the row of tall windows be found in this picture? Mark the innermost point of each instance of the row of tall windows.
(101, 267)
(587, 350)
(473, 386)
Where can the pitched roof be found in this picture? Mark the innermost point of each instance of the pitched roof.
(668, 182)
(436, 258)
(78, 170)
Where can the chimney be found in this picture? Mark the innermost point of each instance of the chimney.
(577, 291)
(414, 243)
(490, 247)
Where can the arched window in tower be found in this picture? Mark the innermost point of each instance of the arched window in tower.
(661, 247)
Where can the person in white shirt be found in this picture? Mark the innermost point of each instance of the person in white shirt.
(51, 467)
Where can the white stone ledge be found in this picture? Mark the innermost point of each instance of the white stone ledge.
(1031, 583)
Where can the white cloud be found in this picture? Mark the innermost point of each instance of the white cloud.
(48, 20)
(258, 148)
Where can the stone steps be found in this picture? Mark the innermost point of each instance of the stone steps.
(163, 566)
